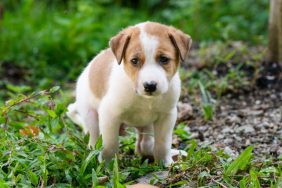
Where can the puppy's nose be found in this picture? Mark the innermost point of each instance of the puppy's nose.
(150, 86)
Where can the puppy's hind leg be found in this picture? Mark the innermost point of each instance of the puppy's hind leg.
(92, 125)
(88, 119)
(74, 115)
(145, 141)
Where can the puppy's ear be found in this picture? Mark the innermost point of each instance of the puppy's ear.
(181, 41)
(119, 44)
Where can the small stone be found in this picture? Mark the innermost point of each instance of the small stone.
(185, 110)
(228, 141)
(248, 142)
(272, 96)
(258, 102)
(194, 135)
(227, 130)
(221, 136)
(238, 138)
(263, 130)
(234, 119)
(279, 151)
(246, 129)
(230, 152)
(259, 125)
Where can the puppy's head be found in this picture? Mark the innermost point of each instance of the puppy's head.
(150, 54)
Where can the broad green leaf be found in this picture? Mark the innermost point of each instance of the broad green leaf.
(183, 182)
(94, 178)
(33, 177)
(116, 177)
(193, 145)
(51, 113)
(203, 93)
(243, 183)
(3, 184)
(85, 163)
(99, 143)
(18, 89)
(254, 182)
(240, 162)
(208, 111)
(115, 173)
(54, 89)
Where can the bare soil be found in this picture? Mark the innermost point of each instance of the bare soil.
(250, 116)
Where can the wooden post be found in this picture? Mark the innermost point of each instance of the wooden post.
(1, 11)
(275, 31)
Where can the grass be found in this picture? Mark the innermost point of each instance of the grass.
(42, 42)
(41, 147)
(46, 39)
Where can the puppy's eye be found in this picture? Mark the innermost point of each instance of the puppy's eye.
(163, 60)
(135, 61)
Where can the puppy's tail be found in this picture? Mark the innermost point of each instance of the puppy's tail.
(74, 115)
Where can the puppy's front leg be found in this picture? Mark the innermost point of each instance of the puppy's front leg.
(163, 137)
(109, 126)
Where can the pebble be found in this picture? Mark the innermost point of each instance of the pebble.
(227, 130)
(258, 102)
(229, 151)
(185, 110)
(248, 142)
(258, 123)
(246, 129)
(228, 141)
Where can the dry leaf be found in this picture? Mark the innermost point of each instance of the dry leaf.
(29, 131)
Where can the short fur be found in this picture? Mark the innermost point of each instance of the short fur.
(110, 91)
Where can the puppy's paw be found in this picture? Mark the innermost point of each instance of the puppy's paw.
(168, 162)
(107, 156)
(100, 158)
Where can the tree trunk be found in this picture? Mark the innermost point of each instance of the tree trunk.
(1, 11)
(275, 31)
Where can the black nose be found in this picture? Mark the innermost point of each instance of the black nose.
(150, 86)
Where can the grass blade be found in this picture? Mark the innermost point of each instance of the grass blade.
(254, 179)
(240, 162)
(85, 163)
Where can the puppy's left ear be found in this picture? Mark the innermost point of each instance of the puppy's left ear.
(119, 44)
(181, 41)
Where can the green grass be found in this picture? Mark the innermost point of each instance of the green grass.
(51, 41)
(41, 147)
(47, 38)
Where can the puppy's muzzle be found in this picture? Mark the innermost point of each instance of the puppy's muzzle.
(150, 87)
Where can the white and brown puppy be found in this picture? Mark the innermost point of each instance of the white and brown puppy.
(134, 82)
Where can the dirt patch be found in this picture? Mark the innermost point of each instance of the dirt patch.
(254, 119)
(243, 117)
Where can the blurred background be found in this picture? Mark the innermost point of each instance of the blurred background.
(43, 41)
(231, 98)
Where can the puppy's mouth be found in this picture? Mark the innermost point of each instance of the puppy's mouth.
(147, 94)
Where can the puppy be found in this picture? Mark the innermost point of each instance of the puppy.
(134, 82)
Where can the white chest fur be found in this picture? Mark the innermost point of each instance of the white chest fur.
(136, 110)
(142, 91)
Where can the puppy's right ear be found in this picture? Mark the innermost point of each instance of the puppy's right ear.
(181, 41)
(119, 44)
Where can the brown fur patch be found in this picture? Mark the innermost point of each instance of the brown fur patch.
(99, 72)
(134, 50)
(165, 47)
(126, 45)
